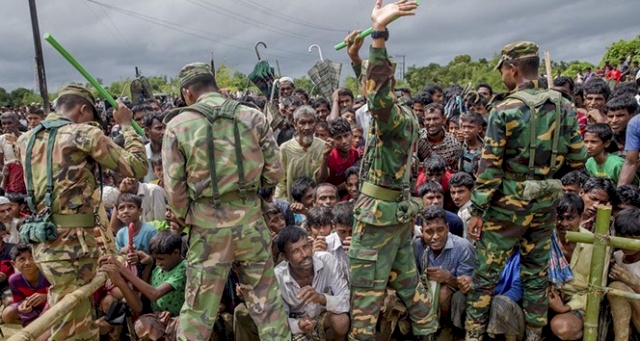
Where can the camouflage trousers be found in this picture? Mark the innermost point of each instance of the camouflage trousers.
(532, 232)
(212, 253)
(65, 277)
(381, 255)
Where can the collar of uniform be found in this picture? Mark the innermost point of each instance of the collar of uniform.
(317, 266)
(532, 84)
(54, 116)
(209, 94)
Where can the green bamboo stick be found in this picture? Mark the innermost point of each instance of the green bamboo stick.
(615, 242)
(107, 96)
(364, 33)
(603, 217)
(610, 291)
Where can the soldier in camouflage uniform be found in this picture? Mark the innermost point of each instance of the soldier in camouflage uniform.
(217, 154)
(531, 134)
(70, 260)
(381, 251)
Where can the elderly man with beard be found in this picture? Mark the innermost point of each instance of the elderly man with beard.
(304, 155)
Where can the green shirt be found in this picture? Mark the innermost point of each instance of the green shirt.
(176, 278)
(610, 169)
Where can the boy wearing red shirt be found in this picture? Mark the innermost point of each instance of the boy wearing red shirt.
(343, 155)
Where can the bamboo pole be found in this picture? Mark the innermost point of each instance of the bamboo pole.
(59, 310)
(615, 242)
(547, 65)
(609, 291)
(603, 217)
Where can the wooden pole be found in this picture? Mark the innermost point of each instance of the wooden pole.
(42, 79)
(59, 310)
(603, 217)
(615, 242)
(547, 64)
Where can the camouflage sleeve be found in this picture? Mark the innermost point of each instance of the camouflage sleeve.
(272, 170)
(490, 171)
(130, 161)
(379, 88)
(175, 177)
(577, 153)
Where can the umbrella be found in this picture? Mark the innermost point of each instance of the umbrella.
(325, 74)
(263, 74)
(559, 270)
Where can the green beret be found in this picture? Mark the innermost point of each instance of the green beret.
(191, 71)
(517, 50)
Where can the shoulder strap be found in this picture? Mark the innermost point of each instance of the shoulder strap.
(52, 126)
(226, 110)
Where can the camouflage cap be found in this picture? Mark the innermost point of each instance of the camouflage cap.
(81, 91)
(517, 50)
(190, 71)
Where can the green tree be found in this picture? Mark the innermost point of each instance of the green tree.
(621, 49)
(5, 98)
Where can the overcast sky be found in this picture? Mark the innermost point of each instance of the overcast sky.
(111, 37)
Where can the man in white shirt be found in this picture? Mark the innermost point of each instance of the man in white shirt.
(316, 297)
(154, 202)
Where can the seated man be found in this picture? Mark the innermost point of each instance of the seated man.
(28, 288)
(568, 322)
(625, 274)
(316, 297)
(442, 256)
(432, 194)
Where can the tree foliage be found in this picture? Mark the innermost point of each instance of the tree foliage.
(621, 49)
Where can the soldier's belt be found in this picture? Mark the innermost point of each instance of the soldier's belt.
(381, 193)
(523, 177)
(73, 220)
(229, 197)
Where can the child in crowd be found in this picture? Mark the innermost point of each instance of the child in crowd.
(595, 192)
(597, 139)
(435, 169)
(19, 209)
(6, 267)
(453, 127)
(573, 181)
(156, 163)
(319, 225)
(352, 182)
(358, 138)
(461, 187)
(348, 114)
(338, 242)
(619, 111)
(627, 196)
(343, 155)
(322, 130)
(129, 211)
(432, 194)
(28, 287)
(275, 222)
(471, 126)
(302, 195)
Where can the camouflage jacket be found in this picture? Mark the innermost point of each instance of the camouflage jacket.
(186, 171)
(506, 150)
(77, 149)
(389, 142)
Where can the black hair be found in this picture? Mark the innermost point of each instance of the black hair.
(165, 243)
(318, 216)
(339, 126)
(272, 208)
(18, 198)
(569, 202)
(452, 91)
(351, 171)
(431, 107)
(141, 107)
(324, 184)
(430, 187)
(433, 212)
(603, 131)
(422, 98)
(290, 234)
(345, 92)
(461, 179)
(485, 85)
(455, 119)
(473, 98)
(152, 116)
(299, 91)
(598, 87)
(322, 124)
(474, 118)
(542, 82)
(432, 88)
(435, 163)
(357, 127)
(564, 80)
(300, 186)
(129, 197)
(265, 193)
(628, 195)
(627, 223)
(19, 249)
(342, 213)
(528, 66)
(601, 183)
(624, 102)
(320, 101)
(575, 177)
(201, 83)
(625, 89)
(291, 100)
(156, 160)
(69, 101)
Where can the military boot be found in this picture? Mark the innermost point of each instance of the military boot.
(533, 334)
(471, 336)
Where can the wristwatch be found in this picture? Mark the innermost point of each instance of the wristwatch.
(380, 34)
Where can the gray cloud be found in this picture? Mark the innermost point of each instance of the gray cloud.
(109, 43)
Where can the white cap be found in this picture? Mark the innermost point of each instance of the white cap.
(4, 201)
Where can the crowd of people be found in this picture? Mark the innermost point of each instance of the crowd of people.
(292, 218)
